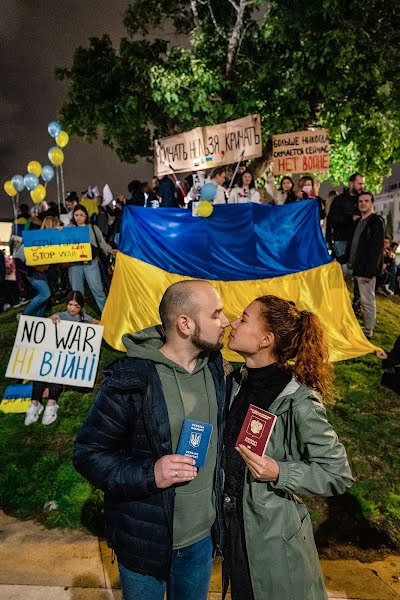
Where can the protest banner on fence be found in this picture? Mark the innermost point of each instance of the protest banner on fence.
(16, 398)
(49, 246)
(210, 146)
(66, 352)
(301, 151)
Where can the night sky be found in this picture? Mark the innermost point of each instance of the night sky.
(35, 37)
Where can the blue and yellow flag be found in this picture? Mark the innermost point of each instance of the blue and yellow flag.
(245, 251)
(49, 246)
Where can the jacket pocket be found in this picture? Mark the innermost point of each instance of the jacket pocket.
(296, 513)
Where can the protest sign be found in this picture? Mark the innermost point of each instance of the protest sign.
(66, 352)
(49, 246)
(16, 398)
(301, 151)
(209, 147)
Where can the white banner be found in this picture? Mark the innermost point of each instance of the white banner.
(209, 147)
(66, 352)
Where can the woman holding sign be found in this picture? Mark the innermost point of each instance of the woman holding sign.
(89, 270)
(46, 389)
(270, 550)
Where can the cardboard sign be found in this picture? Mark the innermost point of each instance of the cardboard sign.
(16, 398)
(66, 353)
(301, 151)
(209, 147)
(49, 246)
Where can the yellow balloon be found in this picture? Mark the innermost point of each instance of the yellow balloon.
(38, 194)
(205, 208)
(9, 188)
(56, 156)
(62, 139)
(35, 167)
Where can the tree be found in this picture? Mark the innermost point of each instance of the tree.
(300, 64)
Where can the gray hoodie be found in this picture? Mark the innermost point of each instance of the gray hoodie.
(187, 395)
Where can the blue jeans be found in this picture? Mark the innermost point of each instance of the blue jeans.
(189, 578)
(90, 271)
(37, 306)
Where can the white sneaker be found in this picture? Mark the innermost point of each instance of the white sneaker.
(50, 414)
(33, 413)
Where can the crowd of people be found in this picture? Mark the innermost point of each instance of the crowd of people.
(354, 234)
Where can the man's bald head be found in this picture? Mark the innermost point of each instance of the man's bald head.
(182, 298)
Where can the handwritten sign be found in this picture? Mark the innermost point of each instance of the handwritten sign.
(208, 147)
(301, 151)
(16, 398)
(49, 246)
(66, 353)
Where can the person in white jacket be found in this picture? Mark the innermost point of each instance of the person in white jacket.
(246, 191)
(284, 193)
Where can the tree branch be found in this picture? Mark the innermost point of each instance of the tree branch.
(193, 6)
(235, 35)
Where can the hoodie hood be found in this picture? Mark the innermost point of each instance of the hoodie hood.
(146, 344)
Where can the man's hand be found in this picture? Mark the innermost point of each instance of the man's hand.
(174, 468)
(263, 468)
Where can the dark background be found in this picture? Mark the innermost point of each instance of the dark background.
(35, 37)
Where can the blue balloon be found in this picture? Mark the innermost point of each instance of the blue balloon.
(31, 181)
(18, 183)
(47, 173)
(54, 128)
(208, 191)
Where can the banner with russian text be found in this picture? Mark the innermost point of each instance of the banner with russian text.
(210, 146)
(301, 151)
(49, 246)
(66, 352)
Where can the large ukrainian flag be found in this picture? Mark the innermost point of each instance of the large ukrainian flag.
(245, 251)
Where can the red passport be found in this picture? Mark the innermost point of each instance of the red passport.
(256, 430)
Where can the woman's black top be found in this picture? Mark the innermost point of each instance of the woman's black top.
(261, 387)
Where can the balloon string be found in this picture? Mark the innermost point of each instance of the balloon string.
(62, 184)
(58, 189)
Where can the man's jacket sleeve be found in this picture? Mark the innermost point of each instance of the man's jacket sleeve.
(375, 250)
(324, 470)
(101, 449)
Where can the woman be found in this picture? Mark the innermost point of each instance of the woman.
(284, 194)
(246, 192)
(270, 550)
(307, 189)
(90, 269)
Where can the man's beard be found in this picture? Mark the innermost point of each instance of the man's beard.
(203, 344)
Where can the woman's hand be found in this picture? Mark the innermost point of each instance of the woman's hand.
(263, 468)
(113, 251)
(55, 318)
(95, 321)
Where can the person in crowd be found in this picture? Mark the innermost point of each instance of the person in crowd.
(218, 178)
(4, 303)
(269, 551)
(89, 270)
(101, 217)
(344, 216)
(152, 200)
(135, 188)
(159, 508)
(42, 390)
(71, 200)
(246, 190)
(366, 257)
(56, 274)
(391, 367)
(395, 282)
(284, 194)
(22, 219)
(168, 193)
(385, 280)
(307, 189)
(328, 227)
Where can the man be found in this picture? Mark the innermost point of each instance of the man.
(344, 216)
(71, 200)
(366, 257)
(218, 178)
(159, 509)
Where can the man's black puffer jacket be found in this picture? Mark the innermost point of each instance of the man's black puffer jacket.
(125, 433)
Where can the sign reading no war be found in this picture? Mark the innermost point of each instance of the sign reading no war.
(301, 151)
(48, 246)
(66, 353)
(210, 146)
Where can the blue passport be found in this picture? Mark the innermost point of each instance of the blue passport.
(195, 440)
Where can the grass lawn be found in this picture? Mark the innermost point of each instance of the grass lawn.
(36, 468)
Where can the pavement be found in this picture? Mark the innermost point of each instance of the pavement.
(41, 564)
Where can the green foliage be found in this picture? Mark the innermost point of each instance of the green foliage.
(300, 64)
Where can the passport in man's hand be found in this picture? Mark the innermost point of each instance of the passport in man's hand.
(256, 430)
(195, 440)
